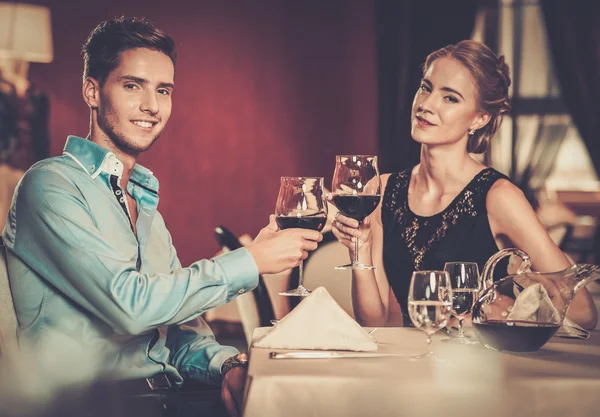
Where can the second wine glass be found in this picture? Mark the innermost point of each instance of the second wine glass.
(429, 303)
(464, 278)
(356, 189)
(301, 204)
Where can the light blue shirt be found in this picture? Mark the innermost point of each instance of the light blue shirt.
(72, 259)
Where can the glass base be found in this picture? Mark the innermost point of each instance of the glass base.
(460, 340)
(355, 266)
(427, 356)
(298, 292)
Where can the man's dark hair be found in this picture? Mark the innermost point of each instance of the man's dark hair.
(102, 49)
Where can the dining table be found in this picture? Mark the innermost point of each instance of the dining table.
(560, 379)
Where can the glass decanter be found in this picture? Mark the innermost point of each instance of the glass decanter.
(521, 312)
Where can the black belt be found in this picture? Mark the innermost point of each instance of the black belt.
(155, 385)
(147, 397)
(160, 384)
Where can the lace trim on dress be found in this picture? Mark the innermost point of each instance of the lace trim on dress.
(420, 233)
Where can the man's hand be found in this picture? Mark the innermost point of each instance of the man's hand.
(232, 390)
(275, 251)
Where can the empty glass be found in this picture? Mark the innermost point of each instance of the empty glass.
(429, 303)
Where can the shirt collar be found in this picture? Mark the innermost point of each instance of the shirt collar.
(94, 159)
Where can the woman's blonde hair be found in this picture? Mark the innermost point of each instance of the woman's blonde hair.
(492, 79)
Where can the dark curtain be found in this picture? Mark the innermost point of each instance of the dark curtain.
(406, 32)
(573, 29)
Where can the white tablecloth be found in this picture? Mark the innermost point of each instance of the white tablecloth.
(562, 379)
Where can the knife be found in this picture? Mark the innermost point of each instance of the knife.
(330, 355)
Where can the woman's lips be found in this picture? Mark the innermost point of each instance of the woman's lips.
(422, 123)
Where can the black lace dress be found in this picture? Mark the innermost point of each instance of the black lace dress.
(459, 233)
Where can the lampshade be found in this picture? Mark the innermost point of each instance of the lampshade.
(25, 32)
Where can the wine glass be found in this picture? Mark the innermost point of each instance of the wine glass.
(356, 190)
(429, 303)
(464, 278)
(301, 204)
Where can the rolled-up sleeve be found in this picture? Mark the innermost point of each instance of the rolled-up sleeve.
(195, 352)
(192, 345)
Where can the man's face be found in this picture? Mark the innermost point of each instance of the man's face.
(135, 100)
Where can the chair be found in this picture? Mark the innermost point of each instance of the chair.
(8, 318)
(583, 243)
(561, 233)
(255, 308)
(319, 271)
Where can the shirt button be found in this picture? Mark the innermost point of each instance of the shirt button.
(241, 291)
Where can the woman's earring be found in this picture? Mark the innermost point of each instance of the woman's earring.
(472, 132)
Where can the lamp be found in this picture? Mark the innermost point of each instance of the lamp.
(25, 32)
(25, 37)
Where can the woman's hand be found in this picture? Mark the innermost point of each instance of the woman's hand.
(347, 230)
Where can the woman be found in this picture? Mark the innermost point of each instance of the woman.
(449, 207)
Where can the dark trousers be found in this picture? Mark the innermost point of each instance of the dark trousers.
(112, 400)
(174, 404)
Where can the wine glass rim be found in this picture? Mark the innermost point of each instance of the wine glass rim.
(356, 155)
(428, 271)
(460, 263)
(302, 178)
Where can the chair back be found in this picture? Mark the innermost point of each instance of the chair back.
(319, 271)
(255, 308)
(561, 234)
(8, 318)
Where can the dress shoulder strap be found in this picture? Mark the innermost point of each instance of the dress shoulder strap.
(394, 197)
(476, 191)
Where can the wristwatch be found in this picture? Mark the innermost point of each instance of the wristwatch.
(241, 359)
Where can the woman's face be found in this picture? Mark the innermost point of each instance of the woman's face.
(445, 107)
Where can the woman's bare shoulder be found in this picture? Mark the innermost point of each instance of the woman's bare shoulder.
(506, 205)
(504, 194)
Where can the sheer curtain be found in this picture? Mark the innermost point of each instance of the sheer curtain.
(574, 38)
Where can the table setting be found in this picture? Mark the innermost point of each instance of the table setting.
(372, 371)
(513, 351)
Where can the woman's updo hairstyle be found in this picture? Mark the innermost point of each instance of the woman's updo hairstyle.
(492, 79)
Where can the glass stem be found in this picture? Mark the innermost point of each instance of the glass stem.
(461, 333)
(429, 350)
(355, 260)
(301, 275)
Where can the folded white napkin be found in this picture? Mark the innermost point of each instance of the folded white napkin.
(534, 304)
(318, 322)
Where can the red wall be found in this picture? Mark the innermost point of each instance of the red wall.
(263, 89)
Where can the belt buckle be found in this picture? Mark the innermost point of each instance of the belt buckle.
(159, 382)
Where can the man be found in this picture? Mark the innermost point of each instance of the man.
(92, 268)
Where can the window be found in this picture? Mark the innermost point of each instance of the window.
(548, 151)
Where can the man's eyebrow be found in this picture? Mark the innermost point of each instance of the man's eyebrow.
(166, 85)
(140, 80)
(450, 90)
(133, 78)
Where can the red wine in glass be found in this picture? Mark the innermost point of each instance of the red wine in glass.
(356, 189)
(514, 335)
(309, 222)
(356, 207)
